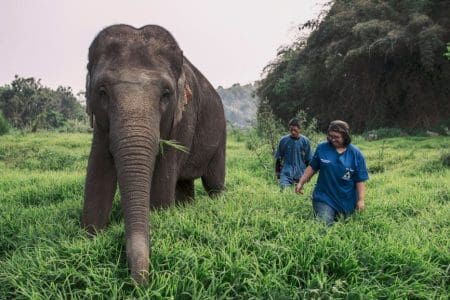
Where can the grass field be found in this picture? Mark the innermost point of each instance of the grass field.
(251, 243)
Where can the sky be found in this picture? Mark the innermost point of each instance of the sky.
(228, 41)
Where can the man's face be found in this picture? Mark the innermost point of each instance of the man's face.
(295, 131)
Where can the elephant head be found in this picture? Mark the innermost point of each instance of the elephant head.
(136, 93)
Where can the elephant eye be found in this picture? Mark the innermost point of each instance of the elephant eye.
(165, 94)
(102, 92)
(102, 97)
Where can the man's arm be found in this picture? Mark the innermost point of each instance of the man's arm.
(308, 154)
(278, 167)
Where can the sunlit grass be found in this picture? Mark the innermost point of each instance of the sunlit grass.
(250, 242)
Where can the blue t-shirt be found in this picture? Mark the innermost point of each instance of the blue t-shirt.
(295, 155)
(338, 175)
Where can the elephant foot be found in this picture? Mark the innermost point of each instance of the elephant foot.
(92, 228)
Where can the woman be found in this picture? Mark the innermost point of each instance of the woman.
(342, 171)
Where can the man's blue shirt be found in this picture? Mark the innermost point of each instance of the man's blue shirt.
(295, 155)
(338, 175)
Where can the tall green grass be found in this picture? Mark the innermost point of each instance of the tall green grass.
(252, 242)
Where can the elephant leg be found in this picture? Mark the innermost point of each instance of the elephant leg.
(184, 191)
(214, 178)
(164, 182)
(100, 187)
(162, 195)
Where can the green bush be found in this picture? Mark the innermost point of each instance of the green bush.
(4, 125)
(448, 51)
(444, 127)
(75, 126)
(383, 133)
(445, 159)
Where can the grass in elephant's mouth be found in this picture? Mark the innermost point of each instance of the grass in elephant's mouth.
(163, 144)
(251, 242)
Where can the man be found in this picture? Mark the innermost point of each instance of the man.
(293, 156)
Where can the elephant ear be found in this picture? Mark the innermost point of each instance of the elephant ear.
(184, 97)
(88, 101)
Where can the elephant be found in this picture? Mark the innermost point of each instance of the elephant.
(140, 89)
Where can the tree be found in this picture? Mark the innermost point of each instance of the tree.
(26, 103)
(372, 63)
(69, 107)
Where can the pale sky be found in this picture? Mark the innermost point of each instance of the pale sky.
(228, 41)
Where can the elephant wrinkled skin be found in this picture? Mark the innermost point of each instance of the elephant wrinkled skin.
(141, 89)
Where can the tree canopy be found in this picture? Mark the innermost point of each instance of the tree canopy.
(373, 63)
(27, 104)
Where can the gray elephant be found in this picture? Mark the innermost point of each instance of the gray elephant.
(141, 89)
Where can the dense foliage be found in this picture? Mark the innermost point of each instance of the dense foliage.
(4, 125)
(253, 242)
(374, 63)
(27, 104)
(448, 52)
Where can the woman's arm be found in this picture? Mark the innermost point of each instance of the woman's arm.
(361, 190)
(309, 173)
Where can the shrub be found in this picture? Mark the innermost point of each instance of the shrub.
(378, 164)
(445, 159)
(309, 127)
(75, 126)
(236, 132)
(4, 125)
(448, 51)
(443, 128)
(383, 133)
(269, 128)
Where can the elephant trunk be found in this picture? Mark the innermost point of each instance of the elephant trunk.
(134, 147)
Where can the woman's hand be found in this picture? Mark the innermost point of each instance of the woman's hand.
(299, 188)
(360, 205)
(309, 172)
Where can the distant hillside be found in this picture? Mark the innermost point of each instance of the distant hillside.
(239, 103)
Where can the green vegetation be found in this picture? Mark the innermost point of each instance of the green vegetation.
(372, 63)
(4, 125)
(447, 54)
(251, 242)
(29, 106)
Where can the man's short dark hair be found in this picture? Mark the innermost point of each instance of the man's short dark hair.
(294, 122)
